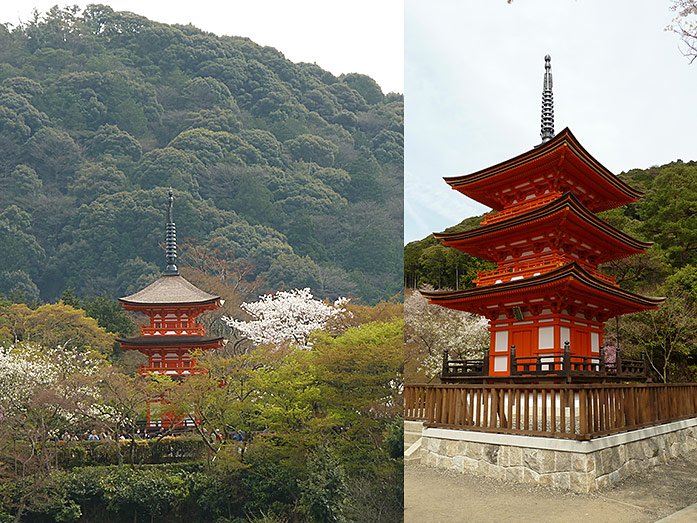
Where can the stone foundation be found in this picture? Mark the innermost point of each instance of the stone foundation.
(577, 466)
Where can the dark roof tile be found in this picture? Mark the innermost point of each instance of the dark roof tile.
(170, 289)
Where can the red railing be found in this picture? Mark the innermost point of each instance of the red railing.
(574, 411)
(519, 208)
(534, 267)
(178, 369)
(172, 331)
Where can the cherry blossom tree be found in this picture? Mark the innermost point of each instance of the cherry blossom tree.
(685, 25)
(286, 317)
(431, 329)
(43, 392)
(28, 368)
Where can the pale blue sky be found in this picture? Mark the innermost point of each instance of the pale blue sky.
(473, 86)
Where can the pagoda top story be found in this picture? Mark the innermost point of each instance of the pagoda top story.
(559, 165)
(170, 288)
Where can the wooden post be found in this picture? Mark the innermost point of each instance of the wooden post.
(444, 372)
(485, 366)
(514, 367)
(567, 358)
(583, 413)
(647, 376)
(618, 361)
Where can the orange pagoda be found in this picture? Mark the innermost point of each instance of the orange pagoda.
(172, 305)
(546, 300)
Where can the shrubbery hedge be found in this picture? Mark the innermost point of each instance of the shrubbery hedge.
(72, 454)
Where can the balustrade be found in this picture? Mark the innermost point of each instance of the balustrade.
(550, 363)
(519, 208)
(196, 330)
(574, 411)
(535, 267)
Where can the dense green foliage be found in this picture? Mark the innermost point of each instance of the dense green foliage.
(284, 166)
(665, 215)
(427, 262)
(72, 454)
(321, 442)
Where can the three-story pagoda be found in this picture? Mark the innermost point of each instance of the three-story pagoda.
(546, 300)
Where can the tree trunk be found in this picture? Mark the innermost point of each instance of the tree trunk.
(666, 360)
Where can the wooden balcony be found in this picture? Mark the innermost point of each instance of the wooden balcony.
(551, 365)
(519, 208)
(196, 330)
(455, 368)
(532, 268)
(570, 411)
(566, 365)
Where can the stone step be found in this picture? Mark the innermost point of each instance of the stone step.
(410, 437)
(412, 432)
(412, 452)
(413, 426)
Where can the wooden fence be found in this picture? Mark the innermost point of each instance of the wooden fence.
(572, 411)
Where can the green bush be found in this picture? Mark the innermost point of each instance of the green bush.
(72, 454)
(130, 492)
(271, 482)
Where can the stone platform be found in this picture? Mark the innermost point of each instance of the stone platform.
(570, 465)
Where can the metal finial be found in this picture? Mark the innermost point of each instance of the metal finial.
(169, 207)
(547, 129)
(171, 239)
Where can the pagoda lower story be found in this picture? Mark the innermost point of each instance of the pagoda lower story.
(537, 322)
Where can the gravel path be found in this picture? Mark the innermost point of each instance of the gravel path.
(438, 496)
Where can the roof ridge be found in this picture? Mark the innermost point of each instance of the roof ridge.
(170, 289)
(568, 199)
(570, 269)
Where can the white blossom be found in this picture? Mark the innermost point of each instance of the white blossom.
(28, 368)
(287, 316)
(431, 329)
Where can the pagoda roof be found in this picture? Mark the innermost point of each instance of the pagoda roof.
(170, 341)
(574, 170)
(170, 289)
(608, 242)
(571, 279)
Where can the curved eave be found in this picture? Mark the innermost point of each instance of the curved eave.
(213, 303)
(503, 171)
(570, 273)
(170, 290)
(176, 342)
(487, 233)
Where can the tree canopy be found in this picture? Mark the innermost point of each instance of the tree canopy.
(101, 111)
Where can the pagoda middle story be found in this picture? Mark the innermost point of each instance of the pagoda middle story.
(546, 301)
(172, 305)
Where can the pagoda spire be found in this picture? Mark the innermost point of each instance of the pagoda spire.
(547, 129)
(171, 240)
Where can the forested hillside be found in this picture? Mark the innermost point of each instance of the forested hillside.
(665, 215)
(282, 172)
